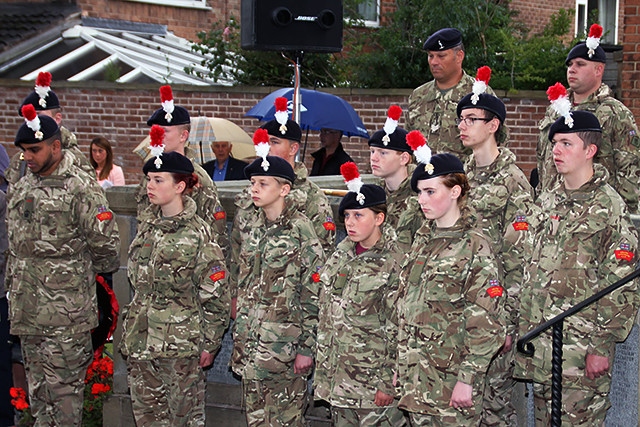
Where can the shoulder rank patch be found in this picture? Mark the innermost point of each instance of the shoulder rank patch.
(495, 290)
(219, 214)
(316, 276)
(104, 214)
(520, 224)
(217, 273)
(329, 224)
(624, 253)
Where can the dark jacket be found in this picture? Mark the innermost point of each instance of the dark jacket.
(235, 169)
(332, 167)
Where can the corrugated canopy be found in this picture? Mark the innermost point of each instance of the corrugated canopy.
(110, 50)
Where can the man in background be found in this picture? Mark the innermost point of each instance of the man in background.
(328, 159)
(224, 167)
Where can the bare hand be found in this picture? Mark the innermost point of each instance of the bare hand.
(461, 397)
(302, 364)
(382, 399)
(596, 366)
(508, 343)
(206, 359)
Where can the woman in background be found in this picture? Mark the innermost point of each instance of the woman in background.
(101, 158)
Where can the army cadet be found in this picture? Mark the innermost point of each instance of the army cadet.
(357, 325)
(620, 149)
(584, 241)
(450, 306)
(503, 200)
(432, 106)
(177, 124)
(174, 324)
(61, 234)
(277, 298)
(284, 142)
(46, 102)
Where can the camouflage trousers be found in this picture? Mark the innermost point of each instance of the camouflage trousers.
(275, 403)
(56, 367)
(499, 386)
(580, 408)
(389, 416)
(454, 417)
(167, 392)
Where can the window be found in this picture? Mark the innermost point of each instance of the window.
(367, 10)
(192, 4)
(605, 12)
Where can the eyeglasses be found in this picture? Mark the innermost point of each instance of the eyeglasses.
(469, 121)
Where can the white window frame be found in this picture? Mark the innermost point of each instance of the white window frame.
(604, 18)
(189, 4)
(367, 23)
(581, 24)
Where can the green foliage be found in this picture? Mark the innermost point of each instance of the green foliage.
(226, 60)
(391, 56)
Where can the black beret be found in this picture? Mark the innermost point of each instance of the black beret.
(171, 162)
(293, 133)
(397, 140)
(487, 102)
(373, 195)
(582, 51)
(48, 127)
(443, 39)
(34, 99)
(180, 116)
(443, 164)
(278, 167)
(583, 121)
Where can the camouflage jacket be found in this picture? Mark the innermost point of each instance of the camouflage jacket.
(433, 112)
(61, 233)
(209, 207)
(180, 305)
(18, 167)
(357, 326)
(398, 200)
(503, 200)
(450, 310)
(305, 196)
(278, 287)
(584, 242)
(620, 150)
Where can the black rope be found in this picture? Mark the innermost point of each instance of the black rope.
(556, 376)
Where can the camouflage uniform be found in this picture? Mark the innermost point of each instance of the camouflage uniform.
(179, 309)
(433, 112)
(619, 151)
(451, 321)
(357, 331)
(277, 315)
(309, 199)
(205, 194)
(18, 167)
(503, 199)
(398, 200)
(584, 242)
(61, 233)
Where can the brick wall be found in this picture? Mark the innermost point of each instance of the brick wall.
(119, 113)
(541, 10)
(630, 67)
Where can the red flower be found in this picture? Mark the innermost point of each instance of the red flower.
(98, 388)
(19, 400)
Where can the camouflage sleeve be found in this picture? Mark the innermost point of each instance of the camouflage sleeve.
(319, 212)
(409, 222)
(483, 313)
(390, 301)
(620, 130)
(615, 314)
(312, 257)
(211, 276)
(98, 226)
(239, 230)
(142, 201)
(515, 251)
(211, 211)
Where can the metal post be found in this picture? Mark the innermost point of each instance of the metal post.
(556, 376)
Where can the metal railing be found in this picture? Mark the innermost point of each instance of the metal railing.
(527, 348)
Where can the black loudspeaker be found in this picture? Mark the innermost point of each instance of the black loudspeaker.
(294, 25)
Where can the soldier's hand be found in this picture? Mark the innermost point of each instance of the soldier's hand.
(302, 364)
(596, 366)
(206, 359)
(508, 343)
(461, 397)
(382, 399)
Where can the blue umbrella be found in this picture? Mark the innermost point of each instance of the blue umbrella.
(317, 110)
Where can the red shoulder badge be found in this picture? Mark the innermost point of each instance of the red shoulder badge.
(520, 224)
(217, 273)
(219, 214)
(495, 290)
(104, 214)
(624, 252)
(328, 224)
